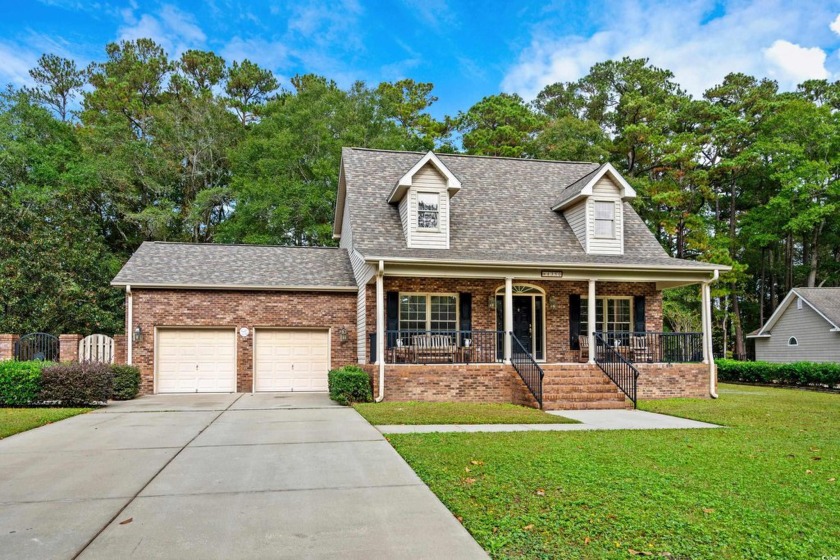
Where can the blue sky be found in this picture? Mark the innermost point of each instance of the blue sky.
(467, 49)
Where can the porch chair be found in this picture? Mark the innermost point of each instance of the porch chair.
(433, 347)
(583, 348)
(639, 349)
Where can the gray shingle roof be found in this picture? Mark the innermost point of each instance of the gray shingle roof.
(575, 188)
(501, 214)
(825, 300)
(245, 266)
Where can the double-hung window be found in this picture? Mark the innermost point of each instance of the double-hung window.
(428, 210)
(428, 312)
(604, 219)
(612, 314)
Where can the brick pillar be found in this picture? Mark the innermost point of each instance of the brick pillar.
(7, 346)
(69, 347)
(119, 349)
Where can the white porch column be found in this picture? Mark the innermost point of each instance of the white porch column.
(591, 323)
(705, 311)
(380, 328)
(508, 318)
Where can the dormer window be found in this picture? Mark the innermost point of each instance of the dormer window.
(605, 219)
(428, 211)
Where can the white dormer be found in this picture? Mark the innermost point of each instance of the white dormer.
(594, 208)
(423, 197)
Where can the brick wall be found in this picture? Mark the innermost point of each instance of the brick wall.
(663, 381)
(236, 309)
(69, 347)
(479, 383)
(557, 319)
(7, 346)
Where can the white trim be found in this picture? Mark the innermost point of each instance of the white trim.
(627, 191)
(500, 291)
(238, 287)
(595, 219)
(453, 185)
(795, 341)
(419, 228)
(774, 318)
(129, 336)
(428, 296)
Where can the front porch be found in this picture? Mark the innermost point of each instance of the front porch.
(480, 339)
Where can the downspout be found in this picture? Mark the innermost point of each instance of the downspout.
(129, 335)
(380, 324)
(712, 365)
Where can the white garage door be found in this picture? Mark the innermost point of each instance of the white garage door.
(291, 360)
(196, 361)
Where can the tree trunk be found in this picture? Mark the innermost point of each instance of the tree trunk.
(774, 288)
(788, 263)
(814, 256)
(738, 331)
(763, 288)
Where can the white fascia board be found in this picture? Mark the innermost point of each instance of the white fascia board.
(233, 287)
(338, 217)
(758, 336)
(627, 191)
(453, 185)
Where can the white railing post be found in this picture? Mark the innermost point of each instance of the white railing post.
(508, 318)
(591, 322)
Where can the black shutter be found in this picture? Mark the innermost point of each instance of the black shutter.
(574, 321)
(392, 318)
(465, 311)
(639, 313)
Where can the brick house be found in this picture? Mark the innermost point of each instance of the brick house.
(456, 278)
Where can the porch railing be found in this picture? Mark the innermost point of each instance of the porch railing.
(440, 347)
(616, 366)
(527, 368)
(659, 347)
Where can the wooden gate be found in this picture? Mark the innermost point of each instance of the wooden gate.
(97, 348)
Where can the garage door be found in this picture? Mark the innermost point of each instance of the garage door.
(196, 361)
(289, 360)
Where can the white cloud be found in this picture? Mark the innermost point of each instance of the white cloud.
(835, 25)
(268, 54)
(15, 63)
(699, 46)
(791, 62)
(173, 29)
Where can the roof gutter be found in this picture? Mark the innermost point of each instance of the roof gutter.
(708, 329)
(380, 325)
(129, 304)
(239, 287)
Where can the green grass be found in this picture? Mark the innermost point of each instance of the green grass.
(765, 487)
(16, 420)
(385, 413)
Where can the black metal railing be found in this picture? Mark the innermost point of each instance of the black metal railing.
(616, 366)
(659, 347)
(440, 347)
(527, 368)
(37, 346)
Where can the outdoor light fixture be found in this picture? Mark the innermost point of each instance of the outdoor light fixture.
(491, 302)
(137, 336)
(342, 334)
(552, 302)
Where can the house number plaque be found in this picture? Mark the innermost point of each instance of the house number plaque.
(552, 273)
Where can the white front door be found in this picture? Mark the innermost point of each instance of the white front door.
(196, 361)
(291, 360)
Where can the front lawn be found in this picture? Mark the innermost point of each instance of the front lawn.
(389, 413)
(765, 487)
(15, 420)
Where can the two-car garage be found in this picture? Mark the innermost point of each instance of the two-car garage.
(203, 360)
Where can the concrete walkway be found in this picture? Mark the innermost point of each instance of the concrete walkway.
(589, 420)
(218, 476)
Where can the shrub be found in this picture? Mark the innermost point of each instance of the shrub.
(72, 384)
(349, 384)
(20, 382)
(126, 382)
(796, 373)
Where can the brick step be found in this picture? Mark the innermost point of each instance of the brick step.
(582, 397)
(577, 389)
(603, 380)
(591, 405)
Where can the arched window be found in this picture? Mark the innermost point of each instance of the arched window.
(792, 341)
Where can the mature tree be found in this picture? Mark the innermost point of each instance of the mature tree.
(248, 87)
(499, 125)
(406, 102)
(58, 82)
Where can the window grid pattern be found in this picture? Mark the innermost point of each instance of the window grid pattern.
(423, 312)
(428, 210)
(618, 313)
(604, 219)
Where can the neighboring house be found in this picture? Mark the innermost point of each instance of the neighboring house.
(457, 278)
(805, 327)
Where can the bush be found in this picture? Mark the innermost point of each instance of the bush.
(349, 384)
(20, 382)
(126, 382)
(72, 384)
(795, 373)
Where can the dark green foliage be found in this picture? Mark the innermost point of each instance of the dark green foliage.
(350, 384)
(20, 382)
(75, 384)
(126, 382)
(795, 373)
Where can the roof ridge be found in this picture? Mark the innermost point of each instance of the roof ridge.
(199, 244)
(473, 156)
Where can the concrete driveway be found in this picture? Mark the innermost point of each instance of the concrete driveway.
(218, 476)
